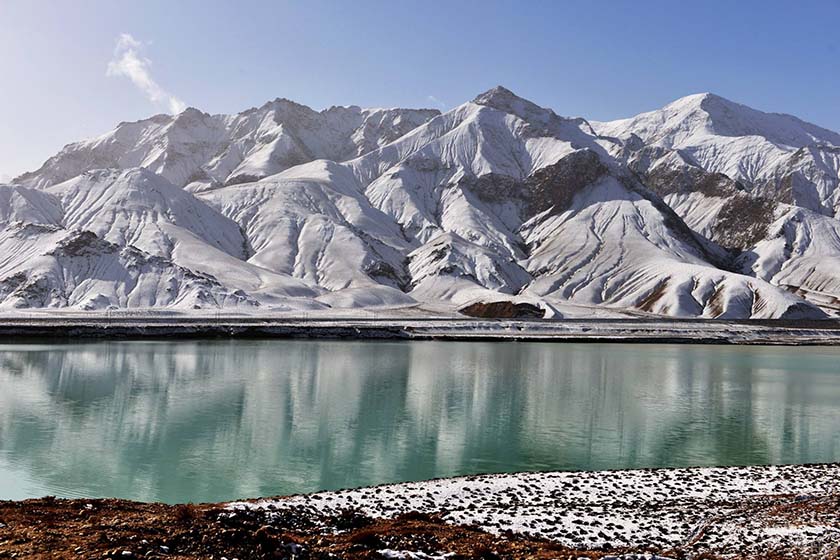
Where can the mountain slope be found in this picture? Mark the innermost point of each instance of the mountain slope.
(773, 155)
(746, 180)
(614, 246)
(801, 252)
(200, 149)
(283, 207)
(79, 269)
(137, 207)
(314, 223)
(113, 238)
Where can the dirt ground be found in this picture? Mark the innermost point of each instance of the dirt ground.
(56, 528)
(53, 528)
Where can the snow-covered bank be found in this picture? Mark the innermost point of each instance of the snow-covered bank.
(390, 325)
(727, 511)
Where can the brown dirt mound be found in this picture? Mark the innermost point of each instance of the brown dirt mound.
(53, 528)
(503, 310)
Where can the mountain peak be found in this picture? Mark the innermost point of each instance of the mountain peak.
(497, 93)
(699, 97)
(700, 101)
(705, 115)
(502, 99)
(192, 111)
(729, 118)
(188, 116)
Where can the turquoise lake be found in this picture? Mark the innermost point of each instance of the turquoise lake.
(219, 420)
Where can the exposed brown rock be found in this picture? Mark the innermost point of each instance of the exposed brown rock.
(649, 302)
(551, 187)
(743, 221)
(554, 186)
(503, 310)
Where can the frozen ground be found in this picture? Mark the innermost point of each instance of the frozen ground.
(413, 323)
(730, 512)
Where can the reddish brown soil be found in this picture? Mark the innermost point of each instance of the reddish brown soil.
(52, 528)
(503, 310)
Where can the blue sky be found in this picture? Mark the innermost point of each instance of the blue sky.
(602, 60)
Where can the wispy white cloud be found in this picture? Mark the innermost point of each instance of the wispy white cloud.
(129, 62)
(5, 178)
(436, 102)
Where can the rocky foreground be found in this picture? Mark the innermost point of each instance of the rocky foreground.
(735, 512)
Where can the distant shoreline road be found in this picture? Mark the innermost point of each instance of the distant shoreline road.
(642, 330)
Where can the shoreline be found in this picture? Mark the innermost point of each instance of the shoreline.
(703, 512)
(785, 511)
(694, 331)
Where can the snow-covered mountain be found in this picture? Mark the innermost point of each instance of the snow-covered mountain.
(773, 155)
(704, 208)
(748, 180)
(196, 149)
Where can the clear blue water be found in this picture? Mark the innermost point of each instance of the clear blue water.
(219, 420)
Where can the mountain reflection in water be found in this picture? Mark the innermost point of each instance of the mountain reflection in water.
(217, 420)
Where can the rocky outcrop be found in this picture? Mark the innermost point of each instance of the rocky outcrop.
(503, 310)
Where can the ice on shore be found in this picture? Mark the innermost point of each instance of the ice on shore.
(728, 511)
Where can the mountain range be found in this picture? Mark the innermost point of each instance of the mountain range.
(704, 208)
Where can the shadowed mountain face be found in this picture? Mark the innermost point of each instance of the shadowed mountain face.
(227, 419)
(705, 208)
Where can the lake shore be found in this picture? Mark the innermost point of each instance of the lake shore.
(641, 330)
(700, 513)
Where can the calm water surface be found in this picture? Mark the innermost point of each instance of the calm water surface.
(218, 420)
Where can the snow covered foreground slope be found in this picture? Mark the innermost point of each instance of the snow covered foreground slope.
(703, 209)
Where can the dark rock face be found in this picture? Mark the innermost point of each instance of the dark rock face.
(82, 243)
(551, 187)
(31, 292)
(743, 222)
(384, 273)
(240, 179)
(554, 186)
(744, 218)
(665, 181)
(25, 230)
(10, 284)
(495, 188)
(685, 177)
(503, 310)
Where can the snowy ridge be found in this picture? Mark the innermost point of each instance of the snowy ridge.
(79, 269)
(775, 155)
(137, 207)
(694, 117)
(705, 208)
(801, 252)
(194, 147)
